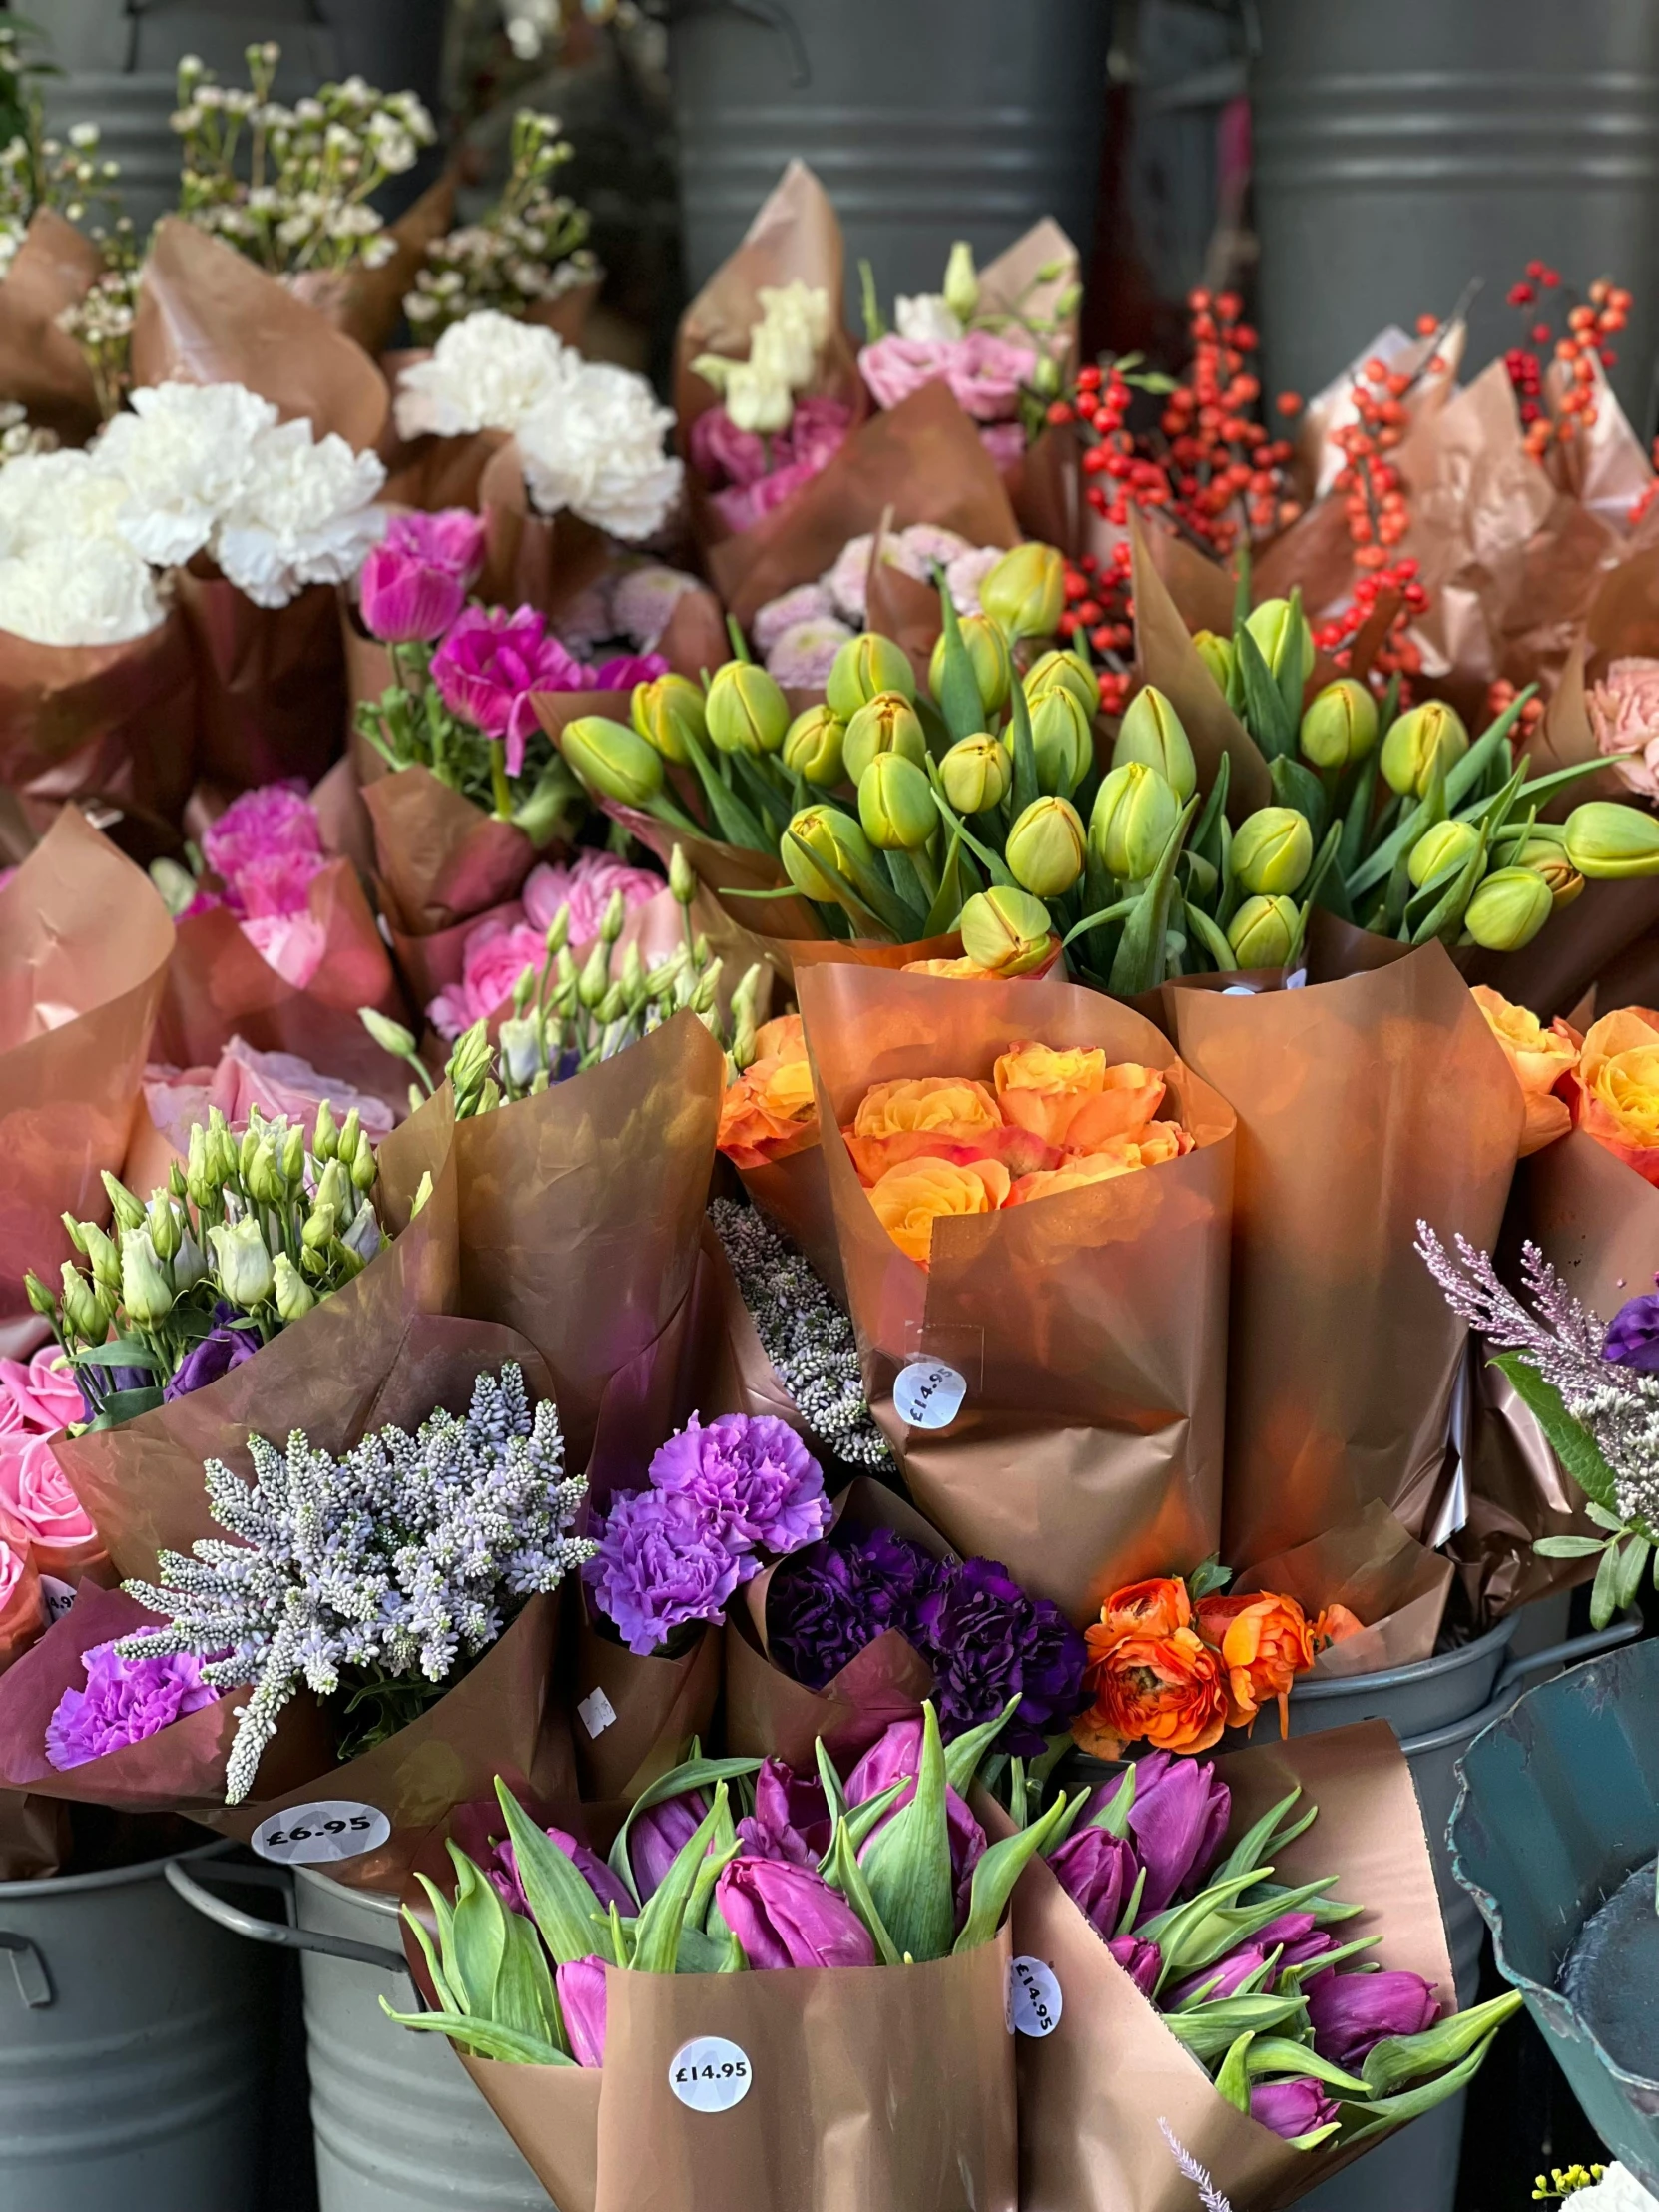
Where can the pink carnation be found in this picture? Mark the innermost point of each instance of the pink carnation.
(1624, 714)
(279, 885)
(1004, 442)
(293, 944)
(762, 475)
(276, 821)
(492, 960)
(742, 505)
(274, 1082)
(586, 887)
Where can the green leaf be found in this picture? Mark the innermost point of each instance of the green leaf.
(829, 1780)
(484, 2037)
(1140, 961)
(1212, 940)
(417, 1928)
(1206, 838)
(850, 1880)
(1292, 1978)
(1290, 675)
(697, 1953)
(1570, 1548)
(560, 1901)
(1132, 1904)
(1205, 1941)
(1025, 788)
(999, 1870)
(1633, 1559)
(735, 822)
(1273, 2055)
(1272, 728)
(740, 644)
(1119, 912)
(1211, 2031)
(691, 1774)
(948, 899)
(1113, 1816)
(1207, 1577)
(964, 1752)
(479, 1937)
(863, 1819)
(1574, 1446)
(959, 701)
(1295, 785)
(1386, 2112)
(1232, 2074)
(123, 1351)
(125, 1406)
(524, 1996)
(1356, 821)
(1240, 588)
(1257, 1843)
(663, 1914)
(908, 1861)
(1400, 2059)
(992, 862)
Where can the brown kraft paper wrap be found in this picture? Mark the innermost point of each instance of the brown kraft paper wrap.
(1385, 1577)
(440, 860)
(770, 1715)
(497, 1718)
(581, 1210)
(84, 947)
(42, 369)
(1090, 1325)
(141, 1483)
(1365, 1103)
(35, 1836)
(1097, 2095)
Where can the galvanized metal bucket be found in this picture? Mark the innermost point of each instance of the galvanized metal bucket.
(398, 2125)
(133, 2049)
(1559, 1803)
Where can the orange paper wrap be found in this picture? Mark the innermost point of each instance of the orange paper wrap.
(84, 947)
(1090, 1325)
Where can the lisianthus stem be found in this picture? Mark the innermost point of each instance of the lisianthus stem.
(499, 785)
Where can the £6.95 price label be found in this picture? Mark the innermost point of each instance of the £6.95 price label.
(313, 1835)
(928, 1394)
(710, 2073)
(1034, 1999)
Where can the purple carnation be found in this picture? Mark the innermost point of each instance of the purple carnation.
(829, 1602)
(659, 1566)
(985, 1639)
(750, 1478)
(1632, 1339)
(224, 1348)
(125, 1701)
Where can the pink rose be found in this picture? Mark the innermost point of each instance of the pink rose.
(721, 453)
(274, 1082)
(40, 1399)
(34, 1492)
(1624, 714)
(293, 944)
(491, 664)
(492, 960)
(586, 889)
(12, 1562)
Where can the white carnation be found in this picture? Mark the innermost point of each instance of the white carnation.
(487, 372)
(49, 496)
(306, 516)
(185, 454)
(596, 448)
(78, 591)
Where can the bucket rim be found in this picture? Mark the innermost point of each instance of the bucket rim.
(1417, 1670)
(385, 1901)
(112, 1877)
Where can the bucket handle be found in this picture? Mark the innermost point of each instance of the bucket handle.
(285, 1934)
(1622, 1631)
(28, 1969)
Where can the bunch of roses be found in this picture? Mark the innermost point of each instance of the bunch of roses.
(264, 849)
(942, 1145)
(798, 634)
(38, 1399)
(1172, 1670)
(722, 1498)
(768, 1110)
(247, 1083)
(1606, 1083)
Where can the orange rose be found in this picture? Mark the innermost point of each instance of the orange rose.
(939, 1117)
(911, 1197)
(1157, 1608)
(770, 1111)
(1618, 1087)
(1075, 1174)
(782, 1038)
(1539, 1057)
(1072, 1097)
(1167, 1689)
(1265, 1642)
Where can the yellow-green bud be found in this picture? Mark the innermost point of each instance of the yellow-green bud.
(885, 724)
(988, 649)
(106, 1261)
(1026, 591)
(1427, 734)
(612, 759)
(240, 1264)
(41, 1299)
(324, 1140)
(364, 1168)
(865, 666)
(1006, 930)
(1508, 910)
(895, 804)
(82, 1308)
(976, 774)
(1062, 738)
(1262, 932)
(1280, 639)
(389, 1035)
(1135, 809)
(145, 1290)
(746, 709)
(812, 746)
(558, 930)
(1216, 655)
(1340, 725)
(1547, 857)
(293, 1155)
(1606, 842)
(1447, 845)
(295, 1295)
(961, 281)
(1151, 732)
(681, 878)
(831, 834)
(1059, 665)
(128, 1212)
(165, 1230)
(72, 1230)
(470, 1063)
(662, 712)
(263, 1175)
(1047, 848)
(320, 1223)
(612, 920)
(595, 978)
(1272, 850)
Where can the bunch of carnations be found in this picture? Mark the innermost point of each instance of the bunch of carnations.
(767, 438)
(723, 1498)
(798, 634)
(243, 1238)
(264, 849)
(1246, 1972)
(887, 1869)
(992, 1648)
(1175, 1660)
(376, 1578)
(1055, 1120)
(525, 252)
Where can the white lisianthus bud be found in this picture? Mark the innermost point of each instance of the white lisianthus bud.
(295, 1295)
(145, 1290)
(241, 1265)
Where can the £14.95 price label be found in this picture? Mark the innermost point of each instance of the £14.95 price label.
(710, 2073)
(1034, 2001)
(312, 1834)
(928, 1394)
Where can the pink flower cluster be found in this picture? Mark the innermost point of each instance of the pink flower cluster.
(761, 473)
(278, 1083)
(493, 662)
(1624, 714)
(37, 1400)
(265, 848)
(985, 373)
(497, 952)
(415, 581)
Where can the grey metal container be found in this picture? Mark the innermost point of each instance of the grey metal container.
(398, 2126)
(133, 2049)
(930, 122)
(1397, 160)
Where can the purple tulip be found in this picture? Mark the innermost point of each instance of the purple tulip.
(608, 1888)
(788, 1917)
(491, 664)
(415, 582)
(1632, 1339)
(1097, 1872)
(790, 1822)
(1352, 2011)
(1225, 1975)
(1141, 1961)
(581, 1991)
(659, 1834)
(1299, 1938)
(897, 1752)
(1291, 2109)
(222, 1348)
(1178, 1820)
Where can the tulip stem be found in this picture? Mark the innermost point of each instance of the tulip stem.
(499, 785)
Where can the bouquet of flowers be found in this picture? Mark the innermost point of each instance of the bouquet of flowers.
(767, 438)
(799, 633)
(524, 257)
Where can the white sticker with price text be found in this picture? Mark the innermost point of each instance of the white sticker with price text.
(1034, 1999)
(928, 1394)
(313, 1835)
(710, 2073)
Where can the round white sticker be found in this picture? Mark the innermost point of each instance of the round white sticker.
(312, 1834)
(929, 1394)
(710, 2073)
(59, 1596)
(1034, 2001)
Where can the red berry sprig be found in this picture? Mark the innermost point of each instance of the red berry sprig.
(1580, 345)
(1501, 694)
(1099, 603)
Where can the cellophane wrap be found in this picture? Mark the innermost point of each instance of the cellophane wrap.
(1101, 2097)
(1386, 1578)
(1090, 1326)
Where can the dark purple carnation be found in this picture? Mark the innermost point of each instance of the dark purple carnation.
(659, 1566)
(1632, 1339)
(985, 1639)
(752, 1480)
(224, 1348)
(829, 1602)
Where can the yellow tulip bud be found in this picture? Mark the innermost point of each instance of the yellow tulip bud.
(976, 774)
(1508, 910)
(1059, 665)
(812, 746)
(612, 759)
(1262, 932)
(1547, 857)
(895, 804)
(831, 834)
(1216, 654)
(1151, 732)
(1272, 850)
(1135, 809)
(1280, 640)
(1426, 734)
(745, 711)
(1447, 845)
(865, 666)
(988, 649)
(1006, 930)
(1062, 737)
(1340, 725)
(1607, 842)
(1046, 847)
(885, 724)
(1025, 593)
(662, 712)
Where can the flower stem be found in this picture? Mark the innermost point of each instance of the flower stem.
(499, 785)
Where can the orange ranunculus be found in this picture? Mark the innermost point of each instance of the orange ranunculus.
(770, 1111)
(1618, 1087)
(1539, 1057)
(1265, 1642)
(964, 969)
(1072, 1097)
(1335, 1626)
(911, 1197)
(1168, 1690)
(1156, 1607)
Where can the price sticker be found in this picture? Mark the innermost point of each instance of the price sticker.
(59, 1596)
(597, 1713)
(928, 1394)
(1034, 2001)
(710, 2073)
(315, 1835)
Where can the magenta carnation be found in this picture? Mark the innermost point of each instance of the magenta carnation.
(751, 1478)
(125, 1701)
(274, 824)
(490, 666)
